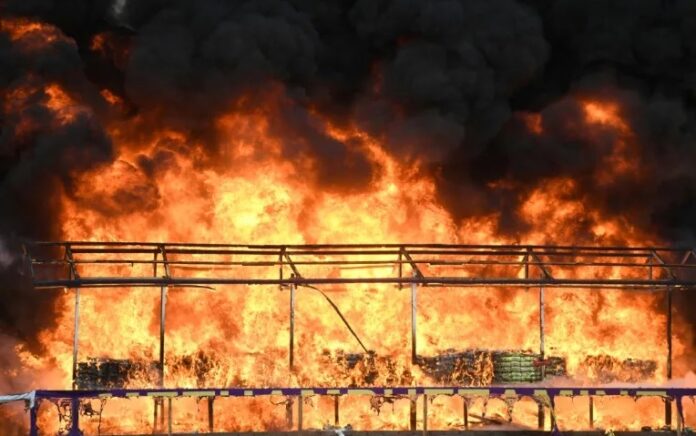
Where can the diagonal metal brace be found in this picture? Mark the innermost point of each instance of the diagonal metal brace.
(413, 264)
(71, 261)
(540, 264)
(164, 261)
(662, 262)
(292, 265)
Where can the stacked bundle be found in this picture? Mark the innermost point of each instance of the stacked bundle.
(452, 367)
(110, 373)
(463, 368)
(524, 367)
(607, 369)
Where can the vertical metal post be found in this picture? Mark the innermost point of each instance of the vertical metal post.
(155, 427)
(401, 267)
(541, 329)
(280, 267)
(526, 265)
(414, 352)
(288, 414)
(412, 413)
(591, 412)
(466, 413)
(292, 325)
(668, 403)
(76, 330)
(33, 427)
(336, 416)
(211, 416)
(425, 414)
(299, 413)
(74, 418)
(680, 415)
(169, 416)
(163, 316)
(159, 401)
(541, 418)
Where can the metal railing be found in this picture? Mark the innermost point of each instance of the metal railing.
(68, 265)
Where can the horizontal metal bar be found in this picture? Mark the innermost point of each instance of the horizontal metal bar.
(308, 251)
(276, 247)
(358, 262)
(498, 390)
(458, 281)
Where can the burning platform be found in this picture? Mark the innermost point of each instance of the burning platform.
(466, 377)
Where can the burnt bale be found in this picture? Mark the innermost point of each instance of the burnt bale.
(608, 369)
(104, 373)
(462, 368)
(364, 369)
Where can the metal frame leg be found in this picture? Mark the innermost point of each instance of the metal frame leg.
(33, 426)
(75, 418)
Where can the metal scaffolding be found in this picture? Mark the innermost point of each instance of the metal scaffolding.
(67, 265)
(77, 265)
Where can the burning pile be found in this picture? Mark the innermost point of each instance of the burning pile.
(365, 369)
(461, 368)
(608, 369)
(100, 373)
(468, 368)
(485, 367)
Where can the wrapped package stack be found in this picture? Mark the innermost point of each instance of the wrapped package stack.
(525, 367)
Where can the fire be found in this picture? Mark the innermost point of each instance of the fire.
(243, 182)
(534, 123)
(164, 186)
(32, 33)
(622, 159)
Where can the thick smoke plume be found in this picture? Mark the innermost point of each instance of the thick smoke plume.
(452, 84)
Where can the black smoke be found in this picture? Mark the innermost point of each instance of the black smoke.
(445, 81)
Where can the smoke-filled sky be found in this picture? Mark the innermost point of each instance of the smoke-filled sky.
(448, 83)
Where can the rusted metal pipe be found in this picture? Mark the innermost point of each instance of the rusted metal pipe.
(211, 415)
(292, 328)
(299, 413)
(668, 403)
(76, 330)
(414, 352)
(591, 412)
(542, 348)
(425, 415)
(412, 413)
(336, 416)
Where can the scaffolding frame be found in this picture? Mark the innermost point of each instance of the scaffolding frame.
(662, 266)
(67, 265)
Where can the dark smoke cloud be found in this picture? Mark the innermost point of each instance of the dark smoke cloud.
(445, 81)
(40, 153)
